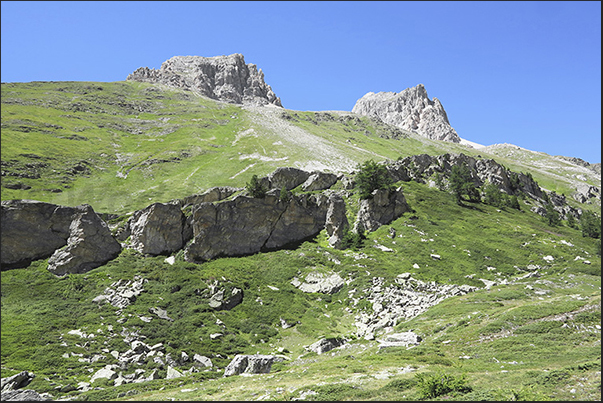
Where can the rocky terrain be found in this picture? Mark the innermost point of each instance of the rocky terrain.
(225, 78)
(410, 110)
(139, 263)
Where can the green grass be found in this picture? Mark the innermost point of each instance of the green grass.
(534, 338)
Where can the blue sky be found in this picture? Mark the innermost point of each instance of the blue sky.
(526, 73)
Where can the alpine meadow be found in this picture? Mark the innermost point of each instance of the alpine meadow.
(180, 235)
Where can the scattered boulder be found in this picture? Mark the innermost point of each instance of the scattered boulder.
(161, 313)
(404, 339)
(173, 373)
(89, 245)
(202, 361)
(320, 282)
(105, 372)
(122, 293)
(218, 302)
(252, 364)
(326, 344)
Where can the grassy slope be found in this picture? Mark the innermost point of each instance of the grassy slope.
(121, 146)
(504, 328)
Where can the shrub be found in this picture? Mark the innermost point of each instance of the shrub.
(370, 177)
(255, 188)
(351, 240)
(461, 183)
(284, 196)
(590, 224)
(431, 385)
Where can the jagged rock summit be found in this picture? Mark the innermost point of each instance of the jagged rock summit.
(410, 110)
(225, 78)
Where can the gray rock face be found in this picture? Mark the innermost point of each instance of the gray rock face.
(157, 229)
(336, 220)
(288, 177)
(17, 381)
(247, 225)
(226, 78)
(319, 181)
(89, 245)
(252, 364)
(384, 207)
(23, 395)
(419, 167)
(32, 230)
(211, 195)
(410, 110)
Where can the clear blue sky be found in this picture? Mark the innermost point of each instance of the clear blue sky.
(526, 73)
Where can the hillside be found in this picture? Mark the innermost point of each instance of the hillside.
(491, 301)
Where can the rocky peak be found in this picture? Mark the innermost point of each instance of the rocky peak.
(410, 110)
(226, 78)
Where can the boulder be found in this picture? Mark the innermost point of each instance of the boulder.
(106, 373)
(384, 207)
(327, 344)
(89, 245)
(336, 221)
(252, 364)
(32, 230)
(320, 282)
(404, 339)
(247, 225)
(218, 302)
(17, 381)
(287, 177)
(319, 181)
(23, 395)
(157, 229)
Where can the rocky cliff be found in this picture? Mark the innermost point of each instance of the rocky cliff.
(225, 78)
(228, 222)
(410, 110)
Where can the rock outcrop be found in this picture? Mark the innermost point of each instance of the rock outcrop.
(158, 229)
(251, 364)
(410, 110)
(75, 238)
(225, 78)
(90, 244)
(247, 225)
(382, 208)
(32, 230)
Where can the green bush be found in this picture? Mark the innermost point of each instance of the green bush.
(461, 183)
(255, 187)
(370, 177)
(352, 240)
(431, 385)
